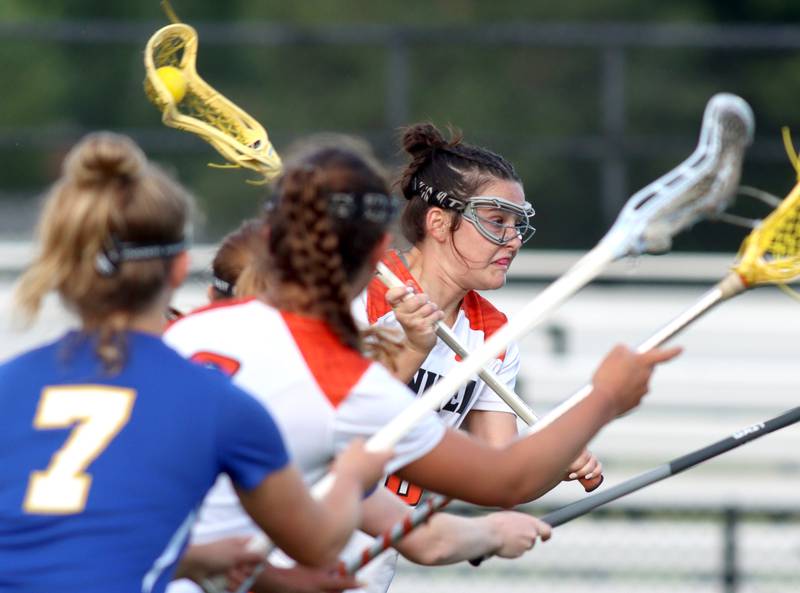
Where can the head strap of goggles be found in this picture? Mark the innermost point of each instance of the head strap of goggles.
(524, 209)
(375, 207)
(436, 198)
(107, 262)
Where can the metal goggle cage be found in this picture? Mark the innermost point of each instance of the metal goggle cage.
(500, 220)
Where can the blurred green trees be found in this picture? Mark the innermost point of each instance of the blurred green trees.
(542, 105)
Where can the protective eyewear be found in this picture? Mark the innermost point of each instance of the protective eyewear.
(500, 220)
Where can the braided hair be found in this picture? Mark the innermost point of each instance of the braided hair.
(331, 210)
(450, 169)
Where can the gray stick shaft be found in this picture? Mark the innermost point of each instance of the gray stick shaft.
(583, 506)
(737, 439)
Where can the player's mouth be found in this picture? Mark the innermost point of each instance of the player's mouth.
(503, 262)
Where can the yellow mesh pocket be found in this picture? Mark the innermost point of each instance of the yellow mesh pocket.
(202, 110)
(771, 253)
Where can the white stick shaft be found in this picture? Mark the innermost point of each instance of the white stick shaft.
(728, 287)
(447, 336)
(533, 313)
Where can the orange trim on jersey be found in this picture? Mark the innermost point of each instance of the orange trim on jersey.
(481, 314)
(377, 306)
(336, 368)
(215, 305)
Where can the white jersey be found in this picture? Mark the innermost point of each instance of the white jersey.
(320, 393)
(476, 321)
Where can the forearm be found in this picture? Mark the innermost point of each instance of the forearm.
(339, 515)
(555, 447)
(447, 539)
(463, 468)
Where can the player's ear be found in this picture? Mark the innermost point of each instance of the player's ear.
(179, 269)
(437, 224)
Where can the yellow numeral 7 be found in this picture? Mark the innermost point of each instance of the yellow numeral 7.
(97, 413)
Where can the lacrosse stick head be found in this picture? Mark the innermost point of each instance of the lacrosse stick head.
(202, 110)
(770, 254)
(702, 186)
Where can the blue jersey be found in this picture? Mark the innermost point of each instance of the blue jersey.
(101, 474)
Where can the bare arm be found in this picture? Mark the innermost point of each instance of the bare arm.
(314, 532)
(497, 429)
(446, 539)
(463, 468)
(311, 532)
(500, 428)
(201, 561)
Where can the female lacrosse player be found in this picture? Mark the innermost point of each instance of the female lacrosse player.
(302, 357)
(444, 539)
(466, 218)
(110, 438)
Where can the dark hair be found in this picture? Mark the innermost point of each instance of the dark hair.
(332, 208)
(237, 252)
(451, 166)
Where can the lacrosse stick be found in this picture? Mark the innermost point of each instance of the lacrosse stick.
(700, 186)
(577, 509)
(770, 254)
(494, 383)
(737, 439)
(201, 109)
(676, 466)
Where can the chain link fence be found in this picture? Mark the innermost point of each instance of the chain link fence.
(627, 549)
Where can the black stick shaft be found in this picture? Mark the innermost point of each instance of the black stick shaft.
(737, 439)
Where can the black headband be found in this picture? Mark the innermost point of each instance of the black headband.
(375, 207)
(108, 260)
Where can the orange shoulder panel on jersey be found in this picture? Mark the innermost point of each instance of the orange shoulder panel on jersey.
(336, 368)
(483, 316)
(377, 306)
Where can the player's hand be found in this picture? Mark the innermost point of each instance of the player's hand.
(230, 557)
(517, 532)
(301, 579)
(417, 315)
(365, 467)
(624, 375)
(586, 466)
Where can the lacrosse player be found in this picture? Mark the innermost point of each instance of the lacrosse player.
(111, 439)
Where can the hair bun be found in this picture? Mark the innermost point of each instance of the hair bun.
(423, 138)
(101, 157)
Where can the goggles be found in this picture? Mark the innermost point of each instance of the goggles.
(500, 220)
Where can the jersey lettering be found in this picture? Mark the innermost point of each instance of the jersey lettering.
(96, 414)
(458, 403)
(406, 491)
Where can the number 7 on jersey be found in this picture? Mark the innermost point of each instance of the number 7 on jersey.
(96, 413)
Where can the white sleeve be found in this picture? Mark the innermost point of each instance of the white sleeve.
(487, 400)
(376, 400)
